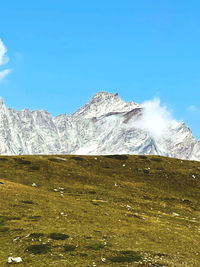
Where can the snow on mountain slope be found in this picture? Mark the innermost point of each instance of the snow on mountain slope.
(103, 103)
(196, 152)
(105, 125)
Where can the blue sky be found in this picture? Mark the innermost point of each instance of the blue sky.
(61, 52)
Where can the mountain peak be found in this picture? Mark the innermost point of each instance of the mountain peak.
(103, 103)
(105, 95)
(1, 101)
(2, 104)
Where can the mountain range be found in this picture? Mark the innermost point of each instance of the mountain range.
(105, 125)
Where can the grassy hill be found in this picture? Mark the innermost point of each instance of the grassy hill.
(99, 211)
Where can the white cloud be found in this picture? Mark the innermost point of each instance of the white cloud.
(3, 60)
(156, 119)
(193, 108)
(4, 73)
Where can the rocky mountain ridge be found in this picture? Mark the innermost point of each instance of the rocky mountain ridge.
(105, 125)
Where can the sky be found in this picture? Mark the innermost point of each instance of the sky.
(61, 52)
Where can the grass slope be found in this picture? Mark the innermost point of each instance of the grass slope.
(99, 211)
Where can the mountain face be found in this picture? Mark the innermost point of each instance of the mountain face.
(105, 125)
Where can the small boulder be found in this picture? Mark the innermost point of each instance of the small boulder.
(14, 260)
(175, 214)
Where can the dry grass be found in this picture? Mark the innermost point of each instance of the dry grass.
(144, 205)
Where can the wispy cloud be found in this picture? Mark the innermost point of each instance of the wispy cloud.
(4, 73)
(193, 108)
(156, 118)
(3, 60)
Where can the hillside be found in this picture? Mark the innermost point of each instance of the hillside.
(99, 211)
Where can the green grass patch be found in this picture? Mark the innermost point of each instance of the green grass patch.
(3, 229)
(157, 159)
(34, 168)
(38, 249)
(92, 192)
(69, 248)
(3, 219)
(119, 157)
(27, 201)
(36, 235)
(77, 158)
(22, 161)
(58, 236)
(3, 159)
(95, 245)
(142, 157)
(56, 160)
(126, 256)
(34, 218)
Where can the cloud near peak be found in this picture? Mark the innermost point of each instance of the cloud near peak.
(156, 119)
(3, 60)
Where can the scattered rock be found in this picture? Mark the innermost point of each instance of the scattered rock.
(61, 188)
(129, 207)
(175, 214)
(138, 217)
(99, 201)
(14, 260)
(16, 238)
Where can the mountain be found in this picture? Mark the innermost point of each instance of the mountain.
(105, 125)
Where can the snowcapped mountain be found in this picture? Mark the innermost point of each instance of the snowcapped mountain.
(103, 103)
(105, 125)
